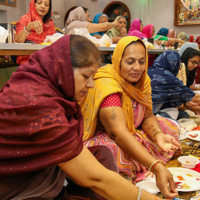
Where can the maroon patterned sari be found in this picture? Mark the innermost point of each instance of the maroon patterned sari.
(40, 125)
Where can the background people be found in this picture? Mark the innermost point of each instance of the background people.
(99, 18)
(35, 25)
(78, 19)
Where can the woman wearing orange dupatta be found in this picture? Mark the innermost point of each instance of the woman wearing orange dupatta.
(118, 113)
(35, 25)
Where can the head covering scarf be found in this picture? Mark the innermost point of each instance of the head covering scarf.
(135, 29)
(182, 35)
(114, 31)
(166, 87)
(192, 38)
(96, 21)
(32, 15)
(187, 38)
(148, 30)
(163, 31)
(40, 125)
(96, 18)
(77, 19)
(187, 45)
(108, 80)
(197, 40)
(170, 33)
(186, 55)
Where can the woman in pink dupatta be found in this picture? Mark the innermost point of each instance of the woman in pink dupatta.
(149, 30)
(136, 29)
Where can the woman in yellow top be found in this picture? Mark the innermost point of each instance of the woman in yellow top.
(118, 114)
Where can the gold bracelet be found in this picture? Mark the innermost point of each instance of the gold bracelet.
(153, 164)
(157, 133)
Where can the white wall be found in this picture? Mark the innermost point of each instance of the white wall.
(12, 14)
(158, 12)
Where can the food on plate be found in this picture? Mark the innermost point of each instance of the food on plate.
(180, 178)
(185, 186)
(193, 136)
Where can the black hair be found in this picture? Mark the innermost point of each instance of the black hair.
(83, 52)
(85, 9)
(67, 13)
(188, 54)
(47, 17)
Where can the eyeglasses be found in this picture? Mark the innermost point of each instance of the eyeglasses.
(194, 62)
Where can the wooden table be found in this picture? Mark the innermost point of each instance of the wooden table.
(109, 50)
(19, 49)
(28, 49)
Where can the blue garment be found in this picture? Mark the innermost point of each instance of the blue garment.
(167, 89)
(96, 21)
(163, 31)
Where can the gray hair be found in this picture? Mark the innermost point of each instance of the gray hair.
(103, 15)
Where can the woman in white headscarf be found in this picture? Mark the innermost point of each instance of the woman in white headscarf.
(78, 19)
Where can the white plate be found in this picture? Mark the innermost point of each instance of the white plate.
(192, 178)
(197, 91)
(193, 133)
(149, 186)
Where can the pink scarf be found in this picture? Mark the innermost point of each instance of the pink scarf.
(148, 30)
(135, 29)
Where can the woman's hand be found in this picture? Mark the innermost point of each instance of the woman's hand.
(165, 182)
(36, 25)
(123, 32)
(167, 143)
(115, 23)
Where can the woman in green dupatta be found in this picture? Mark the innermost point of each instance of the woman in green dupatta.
(116, 33)
(163, 37)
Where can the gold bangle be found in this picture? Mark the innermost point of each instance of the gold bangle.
(153, 164)
(152, 169)
(156, 133)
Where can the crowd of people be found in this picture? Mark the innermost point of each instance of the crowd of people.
(70, 129)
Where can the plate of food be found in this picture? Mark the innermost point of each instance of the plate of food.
(193, 135)
(186, 180)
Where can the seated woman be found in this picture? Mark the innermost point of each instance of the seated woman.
(182, 36)
(117, 114)
(77, 19)
(190, 56)
(172, 33)
(149, 30)
(164, 38)
(191, 38)
(198, 40)
(136, 29)
(41, 130)
(188, 38)
(116, 33)
(168, 92)
(35, 25)
(99, 18)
